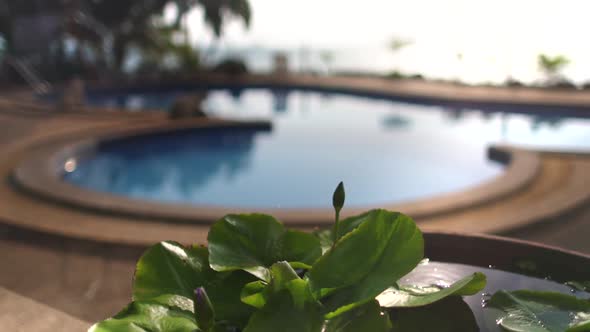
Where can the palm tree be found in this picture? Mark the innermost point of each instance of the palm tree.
(217, 10)
(130, 23)
(138, 27)
(552, 65)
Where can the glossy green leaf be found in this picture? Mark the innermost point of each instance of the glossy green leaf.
(282, 277)
(224, 291)
(299, 265)
(451, 314)
(526, 310)
(299, 248)
(368, 317)
(386, 244)
(253, 242)
(288, 304)
(148, 317)
(301, 292)
(366, 261)
(252, 294)
(351, 223)
(346, 226)
(168, 273)
(281, 273)
(416, 296)
(326, 239)
(283, 313)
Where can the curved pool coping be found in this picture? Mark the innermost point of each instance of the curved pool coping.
(41, 174)
(556, 193)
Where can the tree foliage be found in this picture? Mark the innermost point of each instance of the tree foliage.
(552, 65)
(129, 23)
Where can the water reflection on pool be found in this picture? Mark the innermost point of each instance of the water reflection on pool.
(384, 151)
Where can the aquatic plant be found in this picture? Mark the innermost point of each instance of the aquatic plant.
(257, 275)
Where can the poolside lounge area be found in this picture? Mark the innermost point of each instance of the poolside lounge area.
(87, 254)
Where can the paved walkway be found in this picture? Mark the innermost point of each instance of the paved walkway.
(20, 314)
(89, 281)
(85, 280)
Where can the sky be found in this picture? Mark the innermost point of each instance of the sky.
(493, 39)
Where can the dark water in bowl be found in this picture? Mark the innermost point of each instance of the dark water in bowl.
(445, 274)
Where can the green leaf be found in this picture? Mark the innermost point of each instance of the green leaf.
(168, 273)
(253, 242)
(526, 310)
(416, 296)
(301, 293)
(252, 294)
(300, 249)
(368, 317)
(281, 313)
(326, 238)
(351, 223)
(369, 259)
(288, 304)
(148, 317)
(299, 265)
(583, 326)
(448, 315)
(283, 277)
(282, 273)
(224, 291)
(386, 244)
(346, 226)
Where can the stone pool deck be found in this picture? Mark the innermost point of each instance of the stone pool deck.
(80, 262)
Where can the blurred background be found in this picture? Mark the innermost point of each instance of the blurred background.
(406, 101)
(469, 41)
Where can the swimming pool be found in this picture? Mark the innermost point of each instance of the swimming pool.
(384, 150)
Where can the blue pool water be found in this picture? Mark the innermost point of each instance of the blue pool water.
(385, 151)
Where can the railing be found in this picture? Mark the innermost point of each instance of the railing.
(99, 28)
(33, 79)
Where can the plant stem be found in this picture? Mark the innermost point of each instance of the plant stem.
(336, 228)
